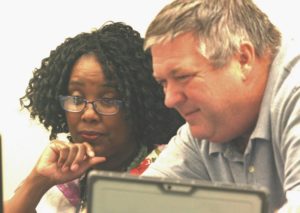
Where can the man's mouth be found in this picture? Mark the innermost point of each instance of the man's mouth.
(190, 115)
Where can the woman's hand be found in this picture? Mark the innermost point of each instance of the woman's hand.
(59, 163)
(62, 162)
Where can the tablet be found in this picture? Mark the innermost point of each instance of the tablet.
(113, 192)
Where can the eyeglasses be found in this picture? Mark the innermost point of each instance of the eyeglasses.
(103, 106)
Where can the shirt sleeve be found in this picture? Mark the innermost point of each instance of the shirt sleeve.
(180, 159)
(286, 128)
(54, 201)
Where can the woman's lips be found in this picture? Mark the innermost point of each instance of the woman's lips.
(90, 135)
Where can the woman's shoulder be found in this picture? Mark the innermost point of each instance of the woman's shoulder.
(150, 158)
(54, 201)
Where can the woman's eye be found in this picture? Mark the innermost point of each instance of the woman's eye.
(77, 100)
(108, 101)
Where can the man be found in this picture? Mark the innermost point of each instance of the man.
(224, 68)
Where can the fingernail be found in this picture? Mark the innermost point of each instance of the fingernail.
(74, 167)
(91, 153)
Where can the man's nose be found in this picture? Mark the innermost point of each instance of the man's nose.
(173, 95)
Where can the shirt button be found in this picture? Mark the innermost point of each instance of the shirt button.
(251, 169)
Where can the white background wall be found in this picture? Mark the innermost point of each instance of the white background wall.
(30, 29)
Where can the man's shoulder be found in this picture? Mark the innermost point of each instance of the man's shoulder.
(285, 70)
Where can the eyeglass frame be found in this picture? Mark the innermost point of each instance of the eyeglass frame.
(118, 103)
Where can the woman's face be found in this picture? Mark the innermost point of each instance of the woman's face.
(110, 135)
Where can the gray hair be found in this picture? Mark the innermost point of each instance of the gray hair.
(220, 25)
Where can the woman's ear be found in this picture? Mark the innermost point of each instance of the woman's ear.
(246, 58)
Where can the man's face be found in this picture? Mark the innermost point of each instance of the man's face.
(218, 103)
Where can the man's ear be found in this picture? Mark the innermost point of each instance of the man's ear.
(246, 58)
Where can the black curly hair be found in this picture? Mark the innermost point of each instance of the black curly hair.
(119, 49)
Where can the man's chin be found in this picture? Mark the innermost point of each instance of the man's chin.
(202, 134)
(197, 132)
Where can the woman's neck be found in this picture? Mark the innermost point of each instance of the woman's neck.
(118, 162)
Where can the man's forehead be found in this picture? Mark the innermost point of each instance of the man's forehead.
(176, 41)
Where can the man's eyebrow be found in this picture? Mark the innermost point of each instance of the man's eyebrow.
(173, 72)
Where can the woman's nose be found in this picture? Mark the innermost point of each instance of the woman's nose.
(90, 113)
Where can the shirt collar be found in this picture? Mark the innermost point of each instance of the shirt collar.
(263, 125)
(276, 75)
(216, 147)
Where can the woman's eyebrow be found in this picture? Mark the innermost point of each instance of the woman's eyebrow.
(74, 83)
(109, 84)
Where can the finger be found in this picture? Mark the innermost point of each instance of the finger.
(89, 149)
(61, 150)
(80, 156)
(86, 151)
(93, 161)
(96, 160)
(73, 152)
(88, 163)
(63, 156)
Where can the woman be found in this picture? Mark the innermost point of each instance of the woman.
(98, 87)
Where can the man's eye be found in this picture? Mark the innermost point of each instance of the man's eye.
(182, 77)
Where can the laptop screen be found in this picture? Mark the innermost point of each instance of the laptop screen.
(120, 192)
